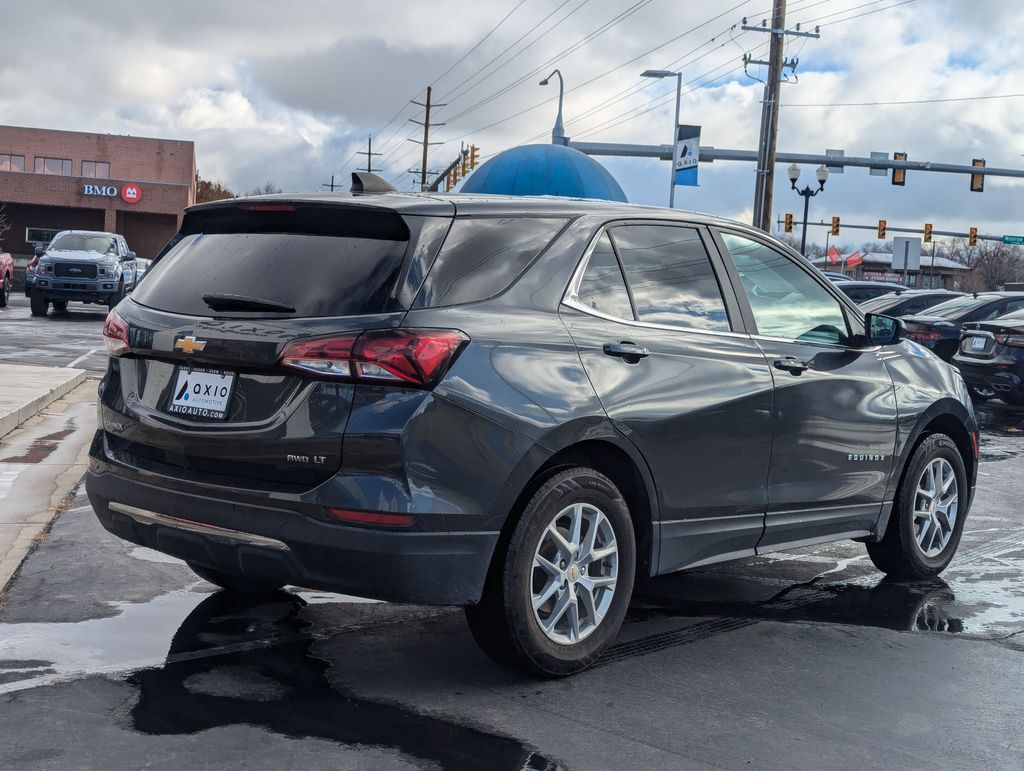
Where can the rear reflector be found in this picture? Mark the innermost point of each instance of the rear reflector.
(408, 357)
(383, 518)
(115, 334)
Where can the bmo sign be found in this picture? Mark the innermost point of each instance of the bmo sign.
(130, 192)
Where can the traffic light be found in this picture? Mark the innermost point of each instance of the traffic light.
(789, 223)
(474, 156)
(835, 226)
(465, 164)
(455, 177)
(972, 237)
(978, 180)
(899, 176)
(927, 233)
(881, 230)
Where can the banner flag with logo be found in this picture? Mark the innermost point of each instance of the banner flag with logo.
(687, 153)
(854, 260)
(833, 255)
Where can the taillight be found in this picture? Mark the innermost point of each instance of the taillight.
(115, 334)
(412, 357)
(1012, 340)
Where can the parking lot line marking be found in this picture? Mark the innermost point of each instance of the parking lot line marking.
(82, 358)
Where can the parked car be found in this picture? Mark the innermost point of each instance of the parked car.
(859, 291)
(907, 302)
(6, 278)
(991, 358)
(30, 273)
(514, 405)
(939, 328)
(831, 276)
(84, 266)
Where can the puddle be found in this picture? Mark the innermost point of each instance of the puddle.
(241, 660)
(43, 447)
(1002, 431)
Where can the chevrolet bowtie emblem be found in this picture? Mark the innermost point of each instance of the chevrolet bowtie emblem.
(188, 344)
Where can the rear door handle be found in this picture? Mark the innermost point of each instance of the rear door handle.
(791, 364)
(626, 350)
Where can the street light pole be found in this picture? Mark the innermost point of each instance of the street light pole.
(558, 132)
(675, 123)
(807, 194)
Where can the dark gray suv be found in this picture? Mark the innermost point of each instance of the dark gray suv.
(518, 405)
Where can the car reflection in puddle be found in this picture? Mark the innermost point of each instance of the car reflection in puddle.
(249, 659)
(928, 606)
(1002, 430)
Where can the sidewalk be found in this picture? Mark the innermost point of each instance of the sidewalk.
(25, 390)
(43, 460)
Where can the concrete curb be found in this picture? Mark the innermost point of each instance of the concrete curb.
(14, 416)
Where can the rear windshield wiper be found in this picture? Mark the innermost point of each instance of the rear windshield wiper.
(237, 302)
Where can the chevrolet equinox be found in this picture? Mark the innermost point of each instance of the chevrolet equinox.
(517, 405)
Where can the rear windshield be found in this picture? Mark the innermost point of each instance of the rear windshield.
(955, 308)
(882, 303)
(325, 262)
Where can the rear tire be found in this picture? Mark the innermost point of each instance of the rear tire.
(549, 576)
(1014, 400)
(5, 292)
(922, 537)
(233, 582)
(39, 304)
(60, 306)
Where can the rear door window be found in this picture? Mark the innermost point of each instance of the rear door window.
(603, 288)
(327, 262)
(670, 276)
(483, 256)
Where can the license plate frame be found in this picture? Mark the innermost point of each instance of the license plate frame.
(212, 400)
(978, 344)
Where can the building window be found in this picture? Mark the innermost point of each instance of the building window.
(53, 166)
(96, 169)
(12, 162)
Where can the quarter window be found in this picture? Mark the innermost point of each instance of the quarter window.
(53, 166)
(96, 169)
(602, 288)
(787, 302)
(12, 162)
(670, 276)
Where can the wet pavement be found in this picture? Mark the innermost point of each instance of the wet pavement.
(71, 339)
(113, 654)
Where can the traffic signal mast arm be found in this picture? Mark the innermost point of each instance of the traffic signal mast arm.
(912, 231)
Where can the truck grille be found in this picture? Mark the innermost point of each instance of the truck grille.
(75, 269)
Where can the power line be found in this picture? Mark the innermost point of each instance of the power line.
(867, 13)
(480, 42)
(910, 101)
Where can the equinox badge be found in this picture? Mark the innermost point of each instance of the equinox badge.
(188, 344)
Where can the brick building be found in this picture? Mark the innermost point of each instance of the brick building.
(59, 180)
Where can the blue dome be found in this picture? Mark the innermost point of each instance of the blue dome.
(544, 170)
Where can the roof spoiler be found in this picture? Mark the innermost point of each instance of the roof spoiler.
(366, 182)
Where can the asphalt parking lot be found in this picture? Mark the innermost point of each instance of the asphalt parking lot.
(70, 339)
(113, 655)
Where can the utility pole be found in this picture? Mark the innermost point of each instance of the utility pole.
(765, 176)
(427, 125)
(369, 153)
(331, 184)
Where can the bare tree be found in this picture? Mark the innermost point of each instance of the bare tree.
(265, 189)
(993, 265)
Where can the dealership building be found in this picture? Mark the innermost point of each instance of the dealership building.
(60, 180)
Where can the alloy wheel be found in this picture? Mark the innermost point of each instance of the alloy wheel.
(935, 507)
(575, 570)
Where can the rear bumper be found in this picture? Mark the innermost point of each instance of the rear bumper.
(989, 380)
(284, 544)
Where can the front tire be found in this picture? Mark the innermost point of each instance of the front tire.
(233, 582)
(928, 515)
(5, 292)
(557, 597)
(38, 304)
(117, 297)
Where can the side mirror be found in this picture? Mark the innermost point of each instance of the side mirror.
(40, 251)
(882, 330)
(128, 257)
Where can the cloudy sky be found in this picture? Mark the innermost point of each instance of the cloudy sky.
(289, 91)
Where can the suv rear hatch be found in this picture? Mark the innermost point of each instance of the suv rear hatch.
(197, 387)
